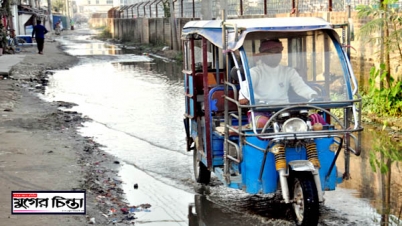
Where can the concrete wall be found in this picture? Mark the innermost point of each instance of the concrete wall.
(157, 31)
(98, 22)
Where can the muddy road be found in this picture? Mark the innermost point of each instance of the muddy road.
(135, 101)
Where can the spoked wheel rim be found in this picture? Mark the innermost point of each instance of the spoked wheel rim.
(305, 199)
(298, 204)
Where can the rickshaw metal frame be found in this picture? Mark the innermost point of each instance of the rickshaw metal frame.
(232, 27)
(248, 158)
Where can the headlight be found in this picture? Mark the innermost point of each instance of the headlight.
(294, 125)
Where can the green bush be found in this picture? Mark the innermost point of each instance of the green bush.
(384, 101)
(105, 34)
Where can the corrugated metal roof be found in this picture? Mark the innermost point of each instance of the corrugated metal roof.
(212, 29)
(278, 24)
(30, 10)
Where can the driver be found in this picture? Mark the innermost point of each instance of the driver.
(271, 81)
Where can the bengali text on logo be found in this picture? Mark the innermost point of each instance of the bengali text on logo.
(48, 202)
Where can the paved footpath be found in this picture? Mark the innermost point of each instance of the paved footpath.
(36, 152)
(7, 61)
(39, 148)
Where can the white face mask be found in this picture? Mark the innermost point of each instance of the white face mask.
(272, 59)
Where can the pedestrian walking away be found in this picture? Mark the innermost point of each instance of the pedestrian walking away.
(39, 32)
(72, 24)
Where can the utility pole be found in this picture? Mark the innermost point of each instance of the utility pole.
(173, 26)
(49, 8)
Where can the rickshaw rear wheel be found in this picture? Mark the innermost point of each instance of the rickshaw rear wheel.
(305, 199)
(201, 173)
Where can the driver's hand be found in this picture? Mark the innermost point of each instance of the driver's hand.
(315, 97)
(243, 101)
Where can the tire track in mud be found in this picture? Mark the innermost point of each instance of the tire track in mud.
(178, 151)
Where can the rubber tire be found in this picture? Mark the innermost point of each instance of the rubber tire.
(303, 182)
(201, 173)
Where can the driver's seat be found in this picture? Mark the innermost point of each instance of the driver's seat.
(234, 75)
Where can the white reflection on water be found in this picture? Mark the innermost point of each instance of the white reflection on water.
(169, 205)
(169, 166)
(137, 114)
(139, 103)
(89, 46)
(346, 205)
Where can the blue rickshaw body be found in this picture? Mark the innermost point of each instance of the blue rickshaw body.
(253, 160)
(293, 150)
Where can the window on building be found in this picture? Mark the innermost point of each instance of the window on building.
(109, 2)
(89, 2)
(97, 1)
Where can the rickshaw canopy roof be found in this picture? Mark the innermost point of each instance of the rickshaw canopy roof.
(212, 29)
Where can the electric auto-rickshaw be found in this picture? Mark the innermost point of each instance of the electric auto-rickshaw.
(291, 152)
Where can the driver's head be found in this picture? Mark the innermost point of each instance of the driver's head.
(272, 51)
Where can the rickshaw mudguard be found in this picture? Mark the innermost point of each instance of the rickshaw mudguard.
(325, 156)
(301, 165)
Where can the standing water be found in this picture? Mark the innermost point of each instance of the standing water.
(136, 106)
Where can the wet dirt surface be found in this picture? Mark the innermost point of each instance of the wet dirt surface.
(42, 150)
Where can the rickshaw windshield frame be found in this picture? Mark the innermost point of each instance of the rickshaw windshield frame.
(333, 60)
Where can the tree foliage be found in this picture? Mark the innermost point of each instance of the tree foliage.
(166, 8)
(384, 29)
(387, 102)
(58, 5)
(5, 9)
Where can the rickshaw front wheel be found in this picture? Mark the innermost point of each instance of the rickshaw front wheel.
(305, 199)
(201, 173)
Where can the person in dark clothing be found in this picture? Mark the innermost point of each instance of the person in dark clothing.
(39, 32)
